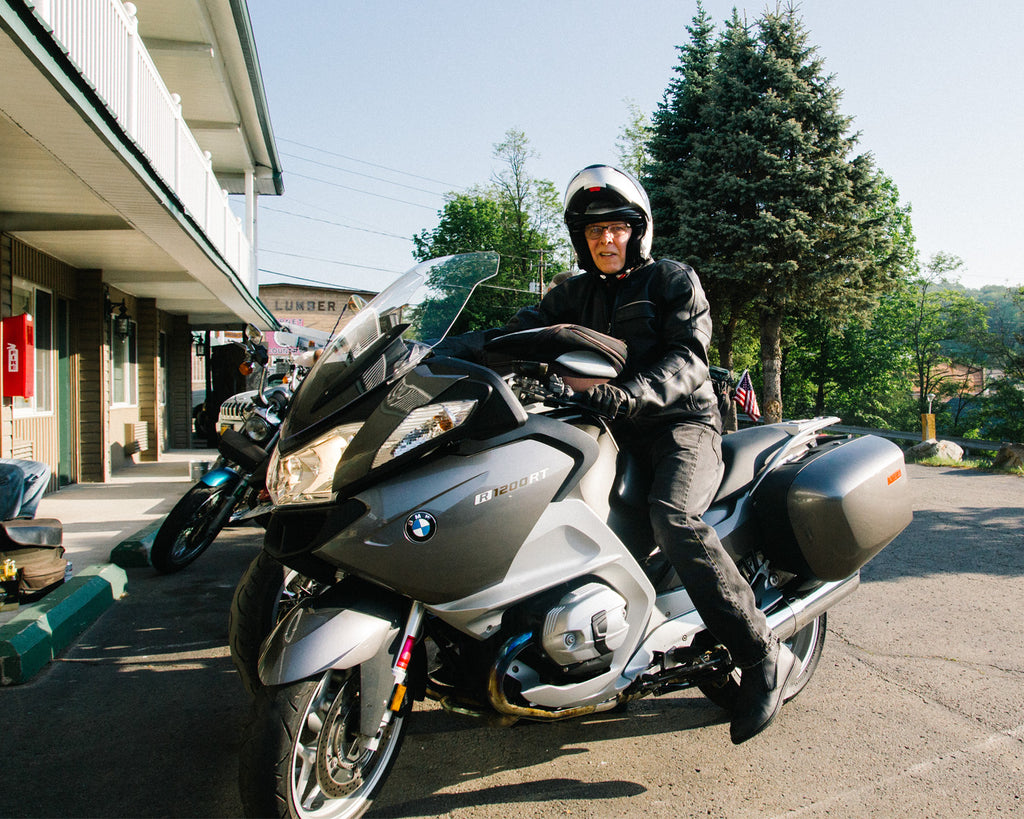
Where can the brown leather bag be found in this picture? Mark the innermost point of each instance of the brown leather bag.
(40, 568)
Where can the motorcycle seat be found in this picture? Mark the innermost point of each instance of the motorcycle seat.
(744, 454)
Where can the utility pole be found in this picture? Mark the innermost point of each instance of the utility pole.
(540, 271)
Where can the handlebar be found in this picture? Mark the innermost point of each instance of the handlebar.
(550, 390)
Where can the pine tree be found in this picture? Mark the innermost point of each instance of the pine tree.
(770, 207)
(674, 177)
(675, 124)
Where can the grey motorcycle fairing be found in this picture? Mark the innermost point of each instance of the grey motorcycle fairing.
(313, 639)
(569, 542)
(484, 506)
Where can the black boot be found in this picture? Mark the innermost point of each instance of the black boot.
(762, 689)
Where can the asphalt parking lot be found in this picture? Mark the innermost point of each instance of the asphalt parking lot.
(916, 709)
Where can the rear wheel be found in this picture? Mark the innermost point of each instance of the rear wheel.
(807, 644)
(304, 756)
(188, 530)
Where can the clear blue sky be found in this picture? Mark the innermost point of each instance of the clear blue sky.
(380, 108)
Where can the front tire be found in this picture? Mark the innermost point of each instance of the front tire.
(807, 644)
(265, 594)
(187, 530)
(302, 757)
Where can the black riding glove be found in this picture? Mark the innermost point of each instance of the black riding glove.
(609, 400)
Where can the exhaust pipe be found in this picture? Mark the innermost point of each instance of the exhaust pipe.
(795, 614)
(786, 620)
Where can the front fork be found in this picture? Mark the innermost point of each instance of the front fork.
(225, 509)
(400, 672)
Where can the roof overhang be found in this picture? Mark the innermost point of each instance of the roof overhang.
(76, 187)
(206, 52)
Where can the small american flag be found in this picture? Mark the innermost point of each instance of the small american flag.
(746, 397)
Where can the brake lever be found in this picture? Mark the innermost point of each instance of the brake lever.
(569, 398)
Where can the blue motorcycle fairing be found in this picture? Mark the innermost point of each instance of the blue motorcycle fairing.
(218, 477)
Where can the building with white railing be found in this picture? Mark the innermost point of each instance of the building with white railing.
(125, 128)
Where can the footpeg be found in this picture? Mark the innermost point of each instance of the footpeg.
(696, 658)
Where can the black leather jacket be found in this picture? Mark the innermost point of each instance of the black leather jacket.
(662, 314)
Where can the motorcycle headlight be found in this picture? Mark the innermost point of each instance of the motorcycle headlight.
(306, 476)
(256, 427)
(422, 426)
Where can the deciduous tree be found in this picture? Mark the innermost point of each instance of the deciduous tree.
(516, 215)
(633, 141)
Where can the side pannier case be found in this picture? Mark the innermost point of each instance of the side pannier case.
(828, 513)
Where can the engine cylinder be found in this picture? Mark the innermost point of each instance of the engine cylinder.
(587, 624)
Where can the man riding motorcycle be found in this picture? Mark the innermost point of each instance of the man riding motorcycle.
(666, 411)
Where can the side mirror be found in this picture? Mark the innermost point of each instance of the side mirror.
(355, 303)
(253, 334)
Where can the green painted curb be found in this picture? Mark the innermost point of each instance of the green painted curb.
(133, 553)
(24, 650)
(42, 630)
(76, 606)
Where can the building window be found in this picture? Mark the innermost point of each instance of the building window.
(123, 366)
(38, 303)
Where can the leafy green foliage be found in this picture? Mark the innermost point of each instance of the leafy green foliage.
(516, 215)
(468, 223)
(632, 144)
(860, 373)
(944, 328)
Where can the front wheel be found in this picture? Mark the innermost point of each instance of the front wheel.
(265, 594)
(188, 529)
(304, 756)
(807, 644)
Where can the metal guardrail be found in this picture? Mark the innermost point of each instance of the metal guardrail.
(967, 444)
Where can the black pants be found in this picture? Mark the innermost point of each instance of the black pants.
(686, 460)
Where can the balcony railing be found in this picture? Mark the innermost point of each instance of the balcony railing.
(101, 37)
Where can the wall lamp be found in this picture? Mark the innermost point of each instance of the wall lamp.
(122, 321)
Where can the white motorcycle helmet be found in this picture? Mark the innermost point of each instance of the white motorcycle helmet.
(600, 193)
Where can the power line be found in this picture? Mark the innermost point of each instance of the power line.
(358, 190)
(511, 289)
(337, 224)
(328, 261)
(307, 280)
(348, 287)
(356, 173)
(371, 164)
(320, 282)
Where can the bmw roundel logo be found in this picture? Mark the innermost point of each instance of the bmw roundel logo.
(420, 527)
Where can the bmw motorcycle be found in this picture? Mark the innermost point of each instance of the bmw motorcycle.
(476, 539)
(229, 492)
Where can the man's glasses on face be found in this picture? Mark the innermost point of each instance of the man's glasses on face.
(618, 230)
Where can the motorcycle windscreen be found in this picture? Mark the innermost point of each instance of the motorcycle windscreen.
(384, 340)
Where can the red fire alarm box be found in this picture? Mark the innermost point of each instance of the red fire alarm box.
(19, 356)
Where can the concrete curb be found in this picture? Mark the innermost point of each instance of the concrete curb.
(40, 631)
(133, 553)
